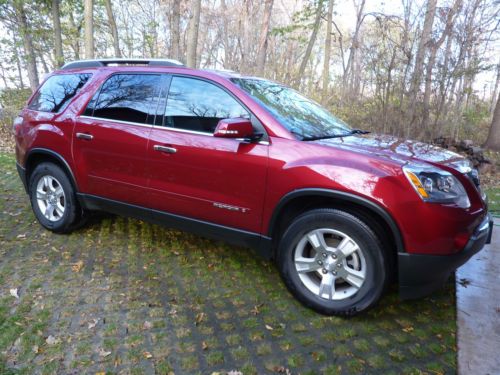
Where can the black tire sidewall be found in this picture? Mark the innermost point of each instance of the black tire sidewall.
(376, 275)
(71, 206)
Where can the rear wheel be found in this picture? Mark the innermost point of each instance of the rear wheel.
(333, 262)
(53, 199)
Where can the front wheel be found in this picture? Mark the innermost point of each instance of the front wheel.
(332, 262)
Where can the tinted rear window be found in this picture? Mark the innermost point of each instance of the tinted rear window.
(57, 91)
(127, 97)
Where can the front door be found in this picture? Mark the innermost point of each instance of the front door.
(197, 175)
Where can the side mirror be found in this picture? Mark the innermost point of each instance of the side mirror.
(234, 128)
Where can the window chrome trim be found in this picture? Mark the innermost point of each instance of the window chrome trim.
(115, 121)
(180, 130)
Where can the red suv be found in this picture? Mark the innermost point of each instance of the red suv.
(253, 162)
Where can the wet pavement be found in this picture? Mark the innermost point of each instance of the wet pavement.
(478, 310)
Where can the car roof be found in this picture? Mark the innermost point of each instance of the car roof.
(156, 65)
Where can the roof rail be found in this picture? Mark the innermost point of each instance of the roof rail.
(105, 62)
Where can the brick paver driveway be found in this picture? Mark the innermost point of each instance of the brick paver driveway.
(123, 296)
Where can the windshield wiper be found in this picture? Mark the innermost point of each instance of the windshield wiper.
(351, 132)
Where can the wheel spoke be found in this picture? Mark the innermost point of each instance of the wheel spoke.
(347, 247)
(40, 194)
(47, 183)
(305, 265)
(49, 212)
(59, 209)
(327, 286)
(317, 240)
(59, 191)
(353, 277)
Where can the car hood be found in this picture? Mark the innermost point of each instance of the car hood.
(399, 150)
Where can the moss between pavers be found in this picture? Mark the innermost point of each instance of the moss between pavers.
(170, 301)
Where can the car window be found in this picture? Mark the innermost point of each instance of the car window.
(127, 97)
(197, 105)
(57, 91)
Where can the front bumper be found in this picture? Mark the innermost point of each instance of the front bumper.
(420, 275)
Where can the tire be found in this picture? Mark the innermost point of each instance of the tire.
(53, 199)
(322, 263)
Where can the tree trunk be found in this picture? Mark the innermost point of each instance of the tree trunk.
(89, 28)
(29, 51)
(425, 39)
(264, 33)
(192, 34)
(58, 50)
(311, 42)
(352, 68)
(114, 29)
(493, 141)
(328, 49)
(175, 24)
(228, 61)
(434, 47)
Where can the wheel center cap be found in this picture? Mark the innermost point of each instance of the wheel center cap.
(330, 264)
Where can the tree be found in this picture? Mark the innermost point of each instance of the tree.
(114, 29)
(423, 44)
(58, 49)
(328, 49)
(175, 25)
(192, 35)
(493, 140)
(310, 44)
(263, 40)
(29, 51)
(89, 29)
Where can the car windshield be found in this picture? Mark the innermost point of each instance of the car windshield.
(300, 115)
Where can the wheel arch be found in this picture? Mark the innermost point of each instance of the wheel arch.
(40, 155)
(300, 201)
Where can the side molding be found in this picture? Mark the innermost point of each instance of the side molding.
(261, 244)
(343, 197)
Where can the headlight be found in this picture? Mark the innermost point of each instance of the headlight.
(435, 185)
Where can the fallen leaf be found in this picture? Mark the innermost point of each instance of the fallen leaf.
(200, 317)
(234, 372)
(256, 309)
(282, 370)
(21, 236)
(147, 355)
(77, 266)
(103, 353)
(408, 329)
(14, 293)
(204, 345)
(93, 323)
(51, 340)
(269, 327)
(35, 349)
(464, 282)
(147, 325)
(100, 373)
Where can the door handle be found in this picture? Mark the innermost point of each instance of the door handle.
(168, 150)
(86, 136)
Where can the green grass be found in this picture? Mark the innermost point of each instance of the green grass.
(494, 200)
(206, 304)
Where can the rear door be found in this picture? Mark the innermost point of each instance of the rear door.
(110, 139)
(194, 174)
